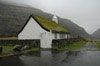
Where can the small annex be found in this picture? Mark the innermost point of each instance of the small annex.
(43, 29)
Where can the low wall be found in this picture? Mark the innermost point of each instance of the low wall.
(59, 43)
(33, 43)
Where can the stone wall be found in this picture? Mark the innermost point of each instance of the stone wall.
(64, 42)
(58, 43)
(32, 43)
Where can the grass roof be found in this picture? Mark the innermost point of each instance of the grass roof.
(49, 24)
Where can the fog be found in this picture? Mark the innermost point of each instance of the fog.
(85, 13)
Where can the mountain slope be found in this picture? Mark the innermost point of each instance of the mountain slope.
(12, 19)
(73, 28)
(96, 34)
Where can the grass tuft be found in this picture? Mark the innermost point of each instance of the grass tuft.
(73, 46)
(98, 43)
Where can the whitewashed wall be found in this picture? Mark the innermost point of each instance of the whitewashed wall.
(34, 31)
(53, 35)
(63, 36)
(58, 36)
(46, 40)
(31, 31)
(69, 36)
(66, 36)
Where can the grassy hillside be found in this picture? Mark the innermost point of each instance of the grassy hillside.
(12, 19)
(96, 34)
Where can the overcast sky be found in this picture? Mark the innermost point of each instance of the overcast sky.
(85, 13)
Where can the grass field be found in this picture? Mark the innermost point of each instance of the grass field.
(74, 46)
(8, 51)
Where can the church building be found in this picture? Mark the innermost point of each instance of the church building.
(43, 29)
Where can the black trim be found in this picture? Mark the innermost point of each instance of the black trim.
(40, 26)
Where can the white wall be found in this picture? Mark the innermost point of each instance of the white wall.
(46, 40)
(58, 36)
(53, 35)
(34, 31)
(31, 31)
(68, 35)
(63, 36)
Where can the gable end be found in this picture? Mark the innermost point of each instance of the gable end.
(27, 23)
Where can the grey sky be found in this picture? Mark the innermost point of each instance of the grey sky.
(85, 13)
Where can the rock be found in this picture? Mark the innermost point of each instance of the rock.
(17, 48)
(26, 47)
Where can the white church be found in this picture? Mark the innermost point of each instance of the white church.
(43, 29)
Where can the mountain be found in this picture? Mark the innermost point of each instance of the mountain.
(73, 28)
(13, 17)
(96, 34)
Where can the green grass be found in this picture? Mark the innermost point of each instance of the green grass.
(73, 46)
(98, 43)
(30, 49)
(8, 51)
(49, 24)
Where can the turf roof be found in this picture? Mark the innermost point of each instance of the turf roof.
(50, 25)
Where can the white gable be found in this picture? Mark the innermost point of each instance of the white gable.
(32, 30)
